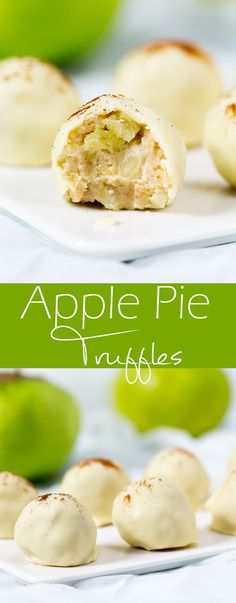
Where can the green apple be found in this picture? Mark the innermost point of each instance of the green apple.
(39, 423)
(58, 31)
(191, 399)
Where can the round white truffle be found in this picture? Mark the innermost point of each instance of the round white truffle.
(96, 482)
(154, 514)
(55, 529)
(35, 99)
(177, 79)
(15, 493)
(185, 469)
(119, 153)
(220, 136)
(222, 506)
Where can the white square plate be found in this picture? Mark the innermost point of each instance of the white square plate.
(204, 214)
(116, 557)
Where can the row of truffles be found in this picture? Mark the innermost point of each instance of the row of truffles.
(156, 513)
(123, 153)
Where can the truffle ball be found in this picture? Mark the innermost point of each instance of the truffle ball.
(55, 529)
(96, 482)
(15, 493)
(222, 506)
(35, 98)
(185, 469)
(220, 136)
(154, 514)
(119, 153)
(177, 79)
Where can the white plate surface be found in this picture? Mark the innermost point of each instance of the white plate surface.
(115, 557)
(204, 214)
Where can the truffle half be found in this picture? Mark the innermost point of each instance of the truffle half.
(35, 98)
(154, 514)
(185, 469)
(15, 493)
(119, 153)
(96, 482)
(175, 78)
(220, 136)
(55, 529)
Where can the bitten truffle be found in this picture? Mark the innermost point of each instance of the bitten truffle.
(119, 153)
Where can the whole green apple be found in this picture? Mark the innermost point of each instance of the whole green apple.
(57, 31)
(191, 399)
(39, 423)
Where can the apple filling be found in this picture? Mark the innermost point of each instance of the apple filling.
(115, 161)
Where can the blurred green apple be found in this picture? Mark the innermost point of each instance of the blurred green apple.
(39, 423)
(191, 399)
(58, 31)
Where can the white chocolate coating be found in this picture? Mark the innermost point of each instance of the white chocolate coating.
(185, 469)
(35, 98)
(55, 529)
(176, 79)
(15, 493)
(96, 482)
(154, 514)
(220, 136)
(222, 506)
(119, 153)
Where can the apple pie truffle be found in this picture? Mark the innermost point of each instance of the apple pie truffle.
(55, 529)
(175, 78)
(185, 469)
(119, 153)
(154, 514)
(35, 98)
(222, 507)
(15, 493)
(96, 482)
(220, 136)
